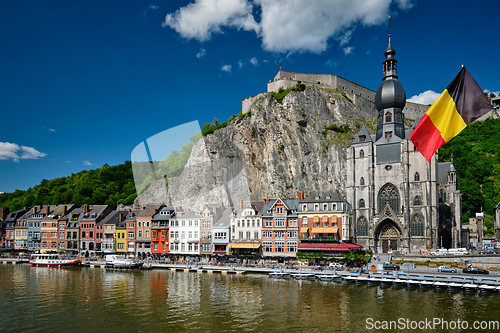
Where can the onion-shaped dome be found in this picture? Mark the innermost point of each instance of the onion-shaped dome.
(390, 94)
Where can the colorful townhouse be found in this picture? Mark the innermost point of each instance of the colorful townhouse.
(143, 229)
(209, 214)
(10, 227)
(186, 233)
(121, 238)
(280, 228)
(324, 218)
(130, 222)
(160, 230)
(108, 225)
(4, 212)
(246, 228)
(72, 231)
(90, 232)
(221, 233)
(21, 228)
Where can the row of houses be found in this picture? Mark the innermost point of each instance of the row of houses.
(280, 227)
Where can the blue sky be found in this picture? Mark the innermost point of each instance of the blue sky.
(82, 83)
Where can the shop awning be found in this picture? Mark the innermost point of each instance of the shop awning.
(303, 230)
(244, 246)
(331, 247)
(324, 230)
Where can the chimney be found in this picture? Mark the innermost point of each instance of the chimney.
(34, 210)
(40, 207)
(300, 195)
(120, 218)
(241, 205)
(85, 208)
(47, 210)
(25, 208)
(264, 200)
(65, 211)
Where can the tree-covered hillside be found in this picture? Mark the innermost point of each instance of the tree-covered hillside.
(476, 156)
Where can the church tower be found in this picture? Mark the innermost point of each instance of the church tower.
(390, 99)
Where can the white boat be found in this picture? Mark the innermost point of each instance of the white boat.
(304, 276)
(486, 288)
(386, 281)
(53, 260)
(412, 283)
(498, 289)
(399, 282)
(374, 280)
(455, 285)
(361, 279)
(350, 278)
(470, 286)
(279, 275)
(441, 285)
(118, 262)
(327, 277)
(425, 284)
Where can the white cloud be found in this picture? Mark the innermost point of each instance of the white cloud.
(226, 68)
(150, 7)
(201, 54)
(51, 130)
(348, 49)
(201, 19)
(254, 61)
(427, 97)
(16, 152)
(286, 25)
(240, 64)
(87, 163)
(331, 63)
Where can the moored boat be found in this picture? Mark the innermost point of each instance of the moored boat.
(304, 276)
(484, 288)
(470, 286)
(279, 275)
(53, 260)
(118, 262)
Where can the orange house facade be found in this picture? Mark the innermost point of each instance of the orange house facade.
(159, 230)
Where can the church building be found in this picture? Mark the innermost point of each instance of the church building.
(400, 201)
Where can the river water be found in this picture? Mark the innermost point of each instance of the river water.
(41, 299)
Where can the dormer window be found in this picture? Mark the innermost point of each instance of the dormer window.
(388, 117)
(362, 138)
(304, 208)
(388, 134)
(316, 207)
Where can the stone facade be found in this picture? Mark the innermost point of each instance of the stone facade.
(400, 201)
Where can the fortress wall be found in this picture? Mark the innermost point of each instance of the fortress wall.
(415, 111)
(247, 103)
(276, 85)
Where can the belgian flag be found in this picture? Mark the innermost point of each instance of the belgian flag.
(461, 103)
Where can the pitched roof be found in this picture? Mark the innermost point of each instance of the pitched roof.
(324, 196)
(113, 218)
(225, 219)
(362, 131)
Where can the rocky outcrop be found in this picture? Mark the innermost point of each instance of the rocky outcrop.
(280, 149)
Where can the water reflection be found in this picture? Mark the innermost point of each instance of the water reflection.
(36, 299)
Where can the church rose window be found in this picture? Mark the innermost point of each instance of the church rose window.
(362, 226)
(388, 195)
(417, 225)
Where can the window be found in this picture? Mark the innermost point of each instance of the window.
(292, 247)
(155, 234)
(361, 203)
(442, 196)
(267, 246)
(279, 210)
(203, 234)
(240, 235)
(316, 207)
(362, 181)
(268, 222)
(416, 201)
(389, 196)
(265, 234)
(292, 223)
(256, 235)
(130, 235)
(388, 134)
(183, 234)
(304, 207)
(196, 235)
(248, 235)
(325, 206)
(361, 153)
(362, 226)
(139, 233)
(417, 225)
(279, 247)
(279, 222)
(220, 235)
(417, 177)
(388, 117)
(362, 138)
(190, 235)
(292, 234)
(279, 234)
(304, 221)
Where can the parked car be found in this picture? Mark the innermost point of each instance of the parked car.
(447, 269)
(389, 266)
(475, 270)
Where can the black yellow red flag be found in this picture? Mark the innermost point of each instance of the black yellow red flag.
(461, 103)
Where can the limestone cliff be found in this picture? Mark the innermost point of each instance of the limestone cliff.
(280, 149)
